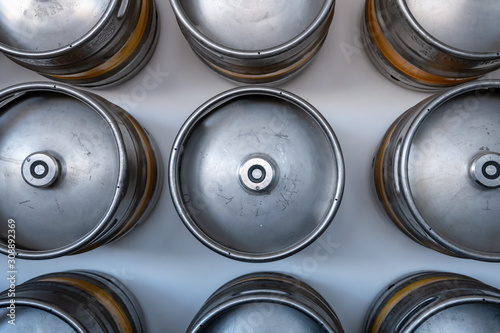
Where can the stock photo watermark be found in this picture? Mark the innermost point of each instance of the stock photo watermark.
(12, 271)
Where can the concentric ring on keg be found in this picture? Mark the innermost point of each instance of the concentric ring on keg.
(182, 16)
(99, 43)
(423, 45)
(290, 305)
(244, 163)
(91, 138)
(252, 41)
(404, 150)
(87, 37)
(430, 301)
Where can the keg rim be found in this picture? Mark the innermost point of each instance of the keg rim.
(186, 23)
(445, 304)
(176, 155)
(16, 52)
(425, 110)
(252, 296)
(85, 97)
(46, 307)
(426, 36)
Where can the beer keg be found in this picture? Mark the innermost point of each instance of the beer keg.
(76, 170)
(432, 44)
(253, 41)
(90, 43)
(265, 302)
(73, 301)
(256, 173)
(435, 302)
(437, 171)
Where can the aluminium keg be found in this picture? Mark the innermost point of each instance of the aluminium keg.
(437, 171)
(72, 301)
(432, 44)
(76, 170)
(89, 43)
(265, 302)
(435, 302)
(256, 173)
(253, 41)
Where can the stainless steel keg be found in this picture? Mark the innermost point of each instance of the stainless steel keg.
(265, 302)
(432, 44)
(88, 43)
(73, 301)
(437, 171)
(435, 302)
(76, 171)
(255, 41)
(256, 173)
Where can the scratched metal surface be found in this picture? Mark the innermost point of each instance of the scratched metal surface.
(172, 274)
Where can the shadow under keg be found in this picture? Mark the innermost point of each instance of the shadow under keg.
(429, 44)
(437, 171)
(253, 41)
(69, 302)
(77, 171)
(435, 302)
(91, 43)
(265, 302)
(256, 174)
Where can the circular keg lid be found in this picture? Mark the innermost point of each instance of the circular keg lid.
(459, 315)
(458, 26)
(35, 316)
(262, 316)
(31, 27)
(256, 173)
(251, 27)
(61, 166)
(451, 169)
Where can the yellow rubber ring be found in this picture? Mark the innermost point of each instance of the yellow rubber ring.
(122, 55)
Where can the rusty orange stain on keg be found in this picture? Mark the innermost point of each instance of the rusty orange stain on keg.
(401, 294)
(398, 61)
(122, 55)
(103, 297)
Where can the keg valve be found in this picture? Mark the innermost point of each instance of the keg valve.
(257, 174)
(485, 170)
(40, 169)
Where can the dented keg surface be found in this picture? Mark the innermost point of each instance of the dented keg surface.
(255, 41)
(265, 302)
(88, 43)
(435, 302)
(73, 301)
(77, 171)
(437, 171)
(256, 173)
(432, 44)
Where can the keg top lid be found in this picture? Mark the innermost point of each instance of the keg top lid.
(33, 316)
(474, 315)
(43, 26)
(262, 317)
(453, 168)
(464, 25)
(251, 25)
(61, 166)
(256, 174)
